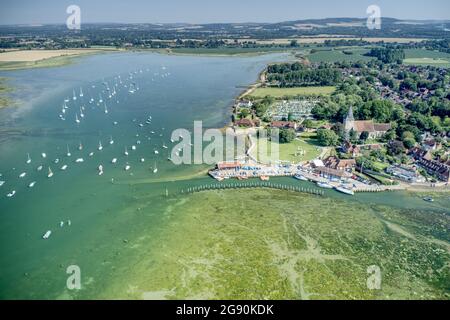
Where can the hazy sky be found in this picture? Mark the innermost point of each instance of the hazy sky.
(205, 11)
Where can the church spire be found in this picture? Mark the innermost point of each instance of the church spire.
(349, 122)
(350, 115)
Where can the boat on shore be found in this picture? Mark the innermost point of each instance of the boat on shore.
(345, 190)
(300, 177)
(264, 178)
(325, 185)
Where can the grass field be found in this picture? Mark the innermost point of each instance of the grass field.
(427, 62)
(427, 57)
(297, 151)
(292, 92)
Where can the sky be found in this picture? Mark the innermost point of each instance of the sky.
(213, 11)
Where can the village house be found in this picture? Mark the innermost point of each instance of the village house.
(355, 150)
(234, 165)
(330, 173)
(435, 168)
(244, 104)
(340, 164)
(404, 173)
(418, 153)
(246, 123)
(431, 145)
(284, 125)
(375, 130)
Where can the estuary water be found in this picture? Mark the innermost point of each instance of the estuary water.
(121, 106)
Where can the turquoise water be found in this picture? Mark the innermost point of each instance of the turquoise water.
(173, 90)
(110, 211)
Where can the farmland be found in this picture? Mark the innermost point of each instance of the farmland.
(339, 54)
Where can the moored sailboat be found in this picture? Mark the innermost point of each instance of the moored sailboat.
(50, 173)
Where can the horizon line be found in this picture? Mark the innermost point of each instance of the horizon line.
(211, 23)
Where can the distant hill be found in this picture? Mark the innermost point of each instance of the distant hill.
(344, 27)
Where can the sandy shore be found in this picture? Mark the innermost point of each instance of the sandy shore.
(36, 55)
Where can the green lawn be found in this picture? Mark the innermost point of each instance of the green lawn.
(297, 151)
(292, 92)
(427, 57)
(428, 62)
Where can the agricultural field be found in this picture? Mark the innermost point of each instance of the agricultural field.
(427, 57)
(292, 92)
(24, 59)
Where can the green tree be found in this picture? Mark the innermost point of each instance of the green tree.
(287, 135)
(244, 113)
(327, 137)
(395, 148)
(364, 135)
(290, 117)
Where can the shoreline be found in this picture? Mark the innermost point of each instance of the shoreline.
(66, 57)
(30, 59)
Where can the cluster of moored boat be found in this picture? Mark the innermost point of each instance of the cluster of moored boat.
(341, 188)
(77, 105)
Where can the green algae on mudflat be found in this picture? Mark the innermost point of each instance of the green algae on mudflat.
(266, 244)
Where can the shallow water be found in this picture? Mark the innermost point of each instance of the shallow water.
(108, 212)
(196, 89)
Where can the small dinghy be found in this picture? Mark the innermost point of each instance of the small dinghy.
(47, 235)
(11, 194)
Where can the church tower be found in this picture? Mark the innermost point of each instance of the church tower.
(349, 122)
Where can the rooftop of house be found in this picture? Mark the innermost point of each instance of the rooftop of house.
(229, 165)
(283, 124)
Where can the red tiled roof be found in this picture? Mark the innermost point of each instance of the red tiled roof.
(283, 124)
(244, 123)
(364, 125)
(228, 165)
(382, 126)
